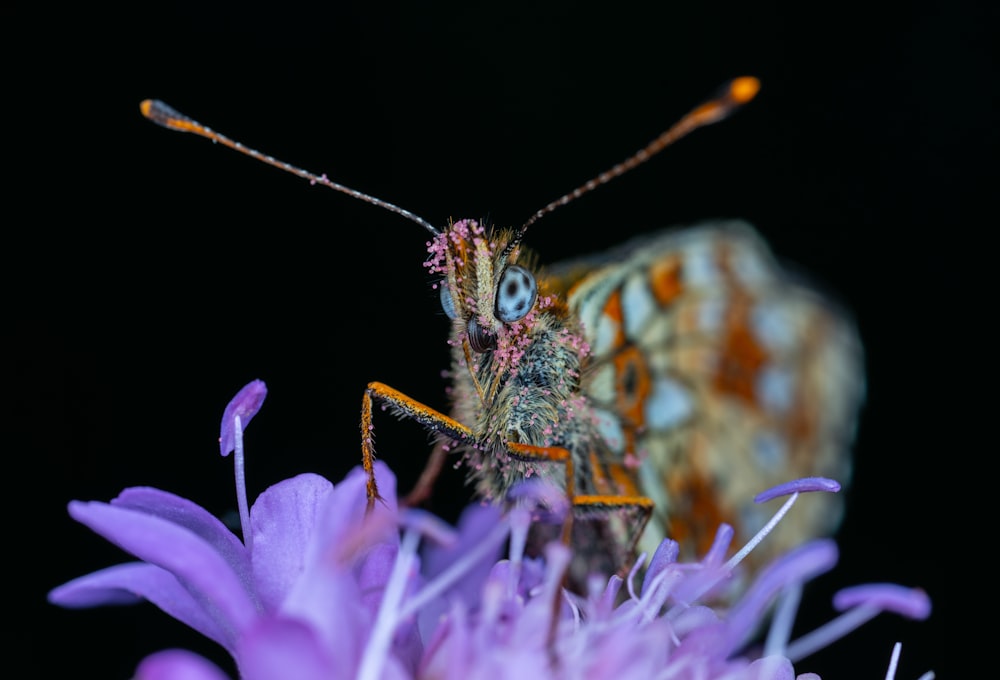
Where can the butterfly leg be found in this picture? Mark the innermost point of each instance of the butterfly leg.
(637, 511)
(421, 491)
(552, 454)
(639, 508)
(401, 405)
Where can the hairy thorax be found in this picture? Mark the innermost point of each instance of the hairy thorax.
(530, 395)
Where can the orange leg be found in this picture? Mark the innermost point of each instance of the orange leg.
(402, 405)
(436, 421)
(585, 504)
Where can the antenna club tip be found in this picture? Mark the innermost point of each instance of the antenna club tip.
(146, 107)
(744, 89)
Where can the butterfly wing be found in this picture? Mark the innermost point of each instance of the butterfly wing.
(714, 375)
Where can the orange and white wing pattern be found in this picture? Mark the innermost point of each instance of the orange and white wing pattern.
(714, 375)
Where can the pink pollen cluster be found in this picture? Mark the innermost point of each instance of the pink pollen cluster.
(575, 341)
(438, 249)
(460, 231)
(513, 338)
(510, 349)
(463, 229)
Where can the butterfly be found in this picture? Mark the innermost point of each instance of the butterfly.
(715, 373)
(658, 386)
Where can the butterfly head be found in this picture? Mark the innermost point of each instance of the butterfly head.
(483, 288)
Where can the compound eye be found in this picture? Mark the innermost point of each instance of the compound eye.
(480, 339)
(516, 294)
(447, 304)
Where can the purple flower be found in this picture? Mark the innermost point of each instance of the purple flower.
(313, 547)
(320, 587)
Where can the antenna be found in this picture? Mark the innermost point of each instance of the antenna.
(727, 100)
(730, 98)
(168, 117)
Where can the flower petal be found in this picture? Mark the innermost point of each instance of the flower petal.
(191, 516)
(346, 525)
(284, 520)
(133, 582)
(343, 539)
(199, 567)
(111, 586)
(771, 668)
(177, 664)
(276, 648)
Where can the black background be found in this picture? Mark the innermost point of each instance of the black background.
(149, 275)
